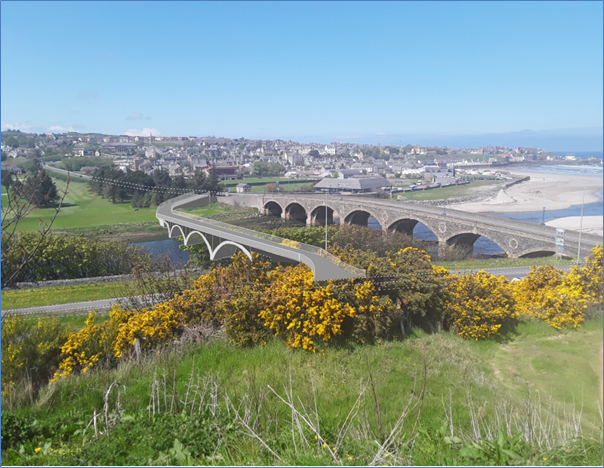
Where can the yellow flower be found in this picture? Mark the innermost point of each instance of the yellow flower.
(38, 449)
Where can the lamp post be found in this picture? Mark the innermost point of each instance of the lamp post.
(580, 229)
(445, 207)
(325, 220)
(543, 217)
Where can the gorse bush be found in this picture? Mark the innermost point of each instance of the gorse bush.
(547, 294)
(253, 302)
(478, 304)
(63, 257)
(30, 352)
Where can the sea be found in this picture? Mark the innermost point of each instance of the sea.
(482, 246)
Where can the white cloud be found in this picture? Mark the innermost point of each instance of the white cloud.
(23, 127)
(59, 129)
(381, 134)
(143, 132)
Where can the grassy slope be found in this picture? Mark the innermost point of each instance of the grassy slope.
(488, 371)
(59, 295)
(84, 209)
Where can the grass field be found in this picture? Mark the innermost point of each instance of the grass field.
(84, 209)
(23, 298)
(502, 263)
(450, 192)
(219, 208)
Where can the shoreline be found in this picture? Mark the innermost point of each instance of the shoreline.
(544, 189)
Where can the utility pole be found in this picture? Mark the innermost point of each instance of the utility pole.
(543, 217)
(325, 220)
(581, 229)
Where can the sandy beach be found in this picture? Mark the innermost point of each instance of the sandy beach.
(591, 224)
(552, 191)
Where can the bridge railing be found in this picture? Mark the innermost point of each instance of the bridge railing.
(276, 239)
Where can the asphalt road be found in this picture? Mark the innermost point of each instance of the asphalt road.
(62, 171)
(82, 308)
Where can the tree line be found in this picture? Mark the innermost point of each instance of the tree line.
(148, 190)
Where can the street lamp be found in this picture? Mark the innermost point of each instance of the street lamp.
(543, 217)
(325, 220)
(445, 207)
(581, 229)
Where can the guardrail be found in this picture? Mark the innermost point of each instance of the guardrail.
(264, 236)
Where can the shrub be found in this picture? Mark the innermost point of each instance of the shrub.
(16, 429)
(479, 304)
(30, 352)
(547, 294)
(300, 313)
(589, 277)
(62, 257)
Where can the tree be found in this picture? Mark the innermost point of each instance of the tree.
(42, 190)
(314, 153)
(12, 142)
(18, 204)
(4, 156)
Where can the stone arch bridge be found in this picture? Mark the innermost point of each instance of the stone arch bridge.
(451, 227)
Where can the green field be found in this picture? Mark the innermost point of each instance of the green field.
(502, 263)
(23, 298)
(85, 209)
(449, 192)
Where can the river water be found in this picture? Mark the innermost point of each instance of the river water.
(482, 245)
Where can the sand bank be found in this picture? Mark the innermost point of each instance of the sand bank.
(591, 224)
(552, 191)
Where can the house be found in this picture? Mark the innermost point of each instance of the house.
(225, 172)
(88, 169)
(174, 170)
(352, 185)
(243, 188)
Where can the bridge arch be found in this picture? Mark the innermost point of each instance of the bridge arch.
(203, 239)
(538, 253)
(466, 240)
(273, 208)
(296, 211)
(360, 217)
(317, 216)
(227, 250)
(173, 228)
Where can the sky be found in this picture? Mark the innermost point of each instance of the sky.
(431, 73)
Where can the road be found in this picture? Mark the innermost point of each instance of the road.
(82, 308)
(62, 171)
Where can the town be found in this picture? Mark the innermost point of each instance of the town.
(234, 159)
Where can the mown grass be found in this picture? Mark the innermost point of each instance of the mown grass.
(222, 211)
(456, 372)
(23, 298)
(449, 192)
(84, 209)
(502, 263)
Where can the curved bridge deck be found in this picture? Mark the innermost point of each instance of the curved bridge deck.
(222, 240)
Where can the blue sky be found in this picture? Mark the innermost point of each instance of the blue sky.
(446, 73)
